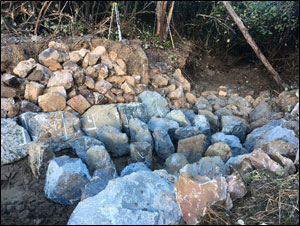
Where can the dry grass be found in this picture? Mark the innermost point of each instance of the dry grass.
(270, 200)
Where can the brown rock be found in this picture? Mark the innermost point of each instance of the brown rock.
(111, 97)
(177, 94)
(182, 81)
(283, 161)
(219, 149)
(194, 195)
(118, 92)
(284, 148)
(87, 94)
(33, 90)
(72, 93)
(128, 88)
(53, 65)
(92, 71)
(222, 93)
(8, 91)
(57, 45)
(286, 101)
(137, 79)
(9, 108)
(130, 80)
(159, 80)
(191, 98)
(236, 186)
(79, 104)
(75, 56)
(103, 86)
(249, 99)
(57, 89)
(119, 71)
(120, 99)
(260, 99)
(89, 60)
(102, 71)
(52, 102)
(128, 97)
(61, 78)
(113, 55)
(36, 75)
(105, 60)
(179, 104)
(98, 51)
(192, 147)
(171, 88)
(208, 93)
(140, 88)
(89, 82)
(116, 79)
(122, 64)
(24, 67)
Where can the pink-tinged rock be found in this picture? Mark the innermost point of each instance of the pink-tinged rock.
(286, 149)
(113, 55)
(33, 90)
(128, 97)
(89, 82)
(182, 81)
(24, 67)
(79, 104)
(194, 195)
(177, 94)
(57, 89)
(236, 186)
(99, 51)
(119, 71)
(8, 108)
(105, 60)
(191, 98)
(283, 161)
(260, 160)
(52, 102)
(159, 80)
(122, 64)
(61, 78)
(103, 86)
(128, 88)
(111, 97)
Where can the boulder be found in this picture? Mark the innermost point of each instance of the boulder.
(141, 152)
(164, 123)
(287, 100)
(98, 158)
(286, 149)
(50, 102)
(179, 116)
(8, 91)
(114, 141)
(234, 163)
(236, 186)
(79, 104)
(192, 148)
(25, 67)
(154, 103)
(141, 198)
(65, 179)
(233, 125)
(33, 90)
(134, 167)
(57, 89)
(61, 78)
(203, 104)
(163, 145)
(14, 141)
(262, 110)
(139, 131)
(213, 119)
(175, 162)
(219, 149)
(195, 194)
(99, 115)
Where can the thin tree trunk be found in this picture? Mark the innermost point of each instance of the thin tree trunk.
(160, 14)
(252, 43)
(168, 21)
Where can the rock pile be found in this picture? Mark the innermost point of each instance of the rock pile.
(186, 153)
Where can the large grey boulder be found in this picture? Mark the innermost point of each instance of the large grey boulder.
(98, 158)
(134, 167)
(233, 142)
(141, 198)
(56, 128)
(212, 167)
(14, 141)
(130, 111)
(154, 103)
(97, 183)
(65, 180)
(234, 125)
(163, 145)
(114, 141)
(139, 131)
(100, 115)
(270, 132)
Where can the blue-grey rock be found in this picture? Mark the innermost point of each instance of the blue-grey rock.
(235, 162)
(203, 104)
(189, 113)
(163, 145)
(179, 116)
(167, 124)
(100, 115)
(134, 167)
(212, 167)
(114, 141)
(213, 99)
(262, 110)
(271, 131)
(185, 132)
(14, 141)
(239, 101)
(154, 103)
(139, 131)
(203, 125)
(233, 142)
(98, 158)
(130, 111)
(141, 198)
(56, 128)
(98, 183)
(213, 119)
(82, 144)
(65, 179)
(141, 152)
(234, 125)
(175, 162)
(222, 112)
